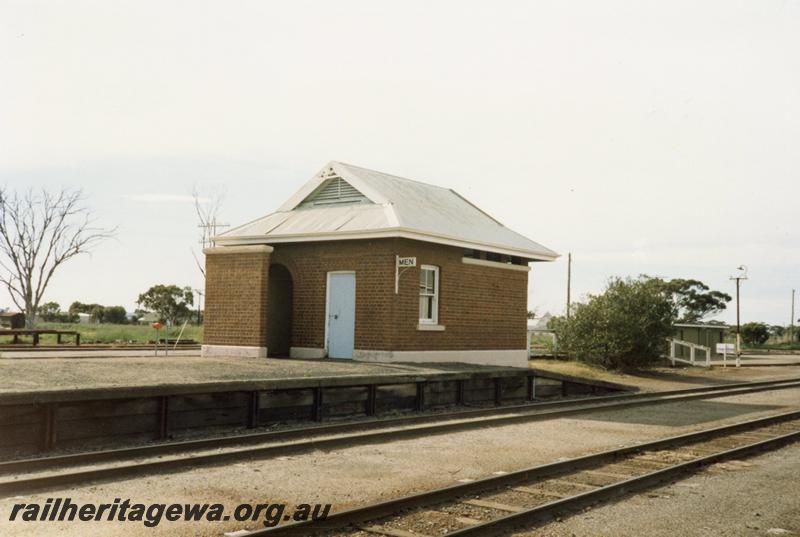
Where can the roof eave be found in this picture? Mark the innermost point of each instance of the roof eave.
(398, 232)
(698, 325)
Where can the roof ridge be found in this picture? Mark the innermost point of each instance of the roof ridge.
(390, 175)
(487, 215)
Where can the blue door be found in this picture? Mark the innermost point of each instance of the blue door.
(341, 314)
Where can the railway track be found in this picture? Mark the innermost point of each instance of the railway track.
(523, 499)
(43, 473)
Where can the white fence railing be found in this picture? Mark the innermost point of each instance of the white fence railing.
(537, 331)
(693, 348)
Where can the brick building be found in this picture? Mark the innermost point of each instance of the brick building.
(365, 265)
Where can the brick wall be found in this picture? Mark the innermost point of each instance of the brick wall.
(236, 296)
(309, 263)
(482, 308)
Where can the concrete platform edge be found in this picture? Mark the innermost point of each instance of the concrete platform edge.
(121, 392)
(232, 351)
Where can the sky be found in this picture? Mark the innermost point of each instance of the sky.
(645, 137)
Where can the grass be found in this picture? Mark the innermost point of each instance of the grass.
(542, 342)
(575, 369)
(118, 333)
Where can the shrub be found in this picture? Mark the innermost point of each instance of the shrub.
(755, 333)
(624, 326)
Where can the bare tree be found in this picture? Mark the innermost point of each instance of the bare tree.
(207, 209)
(39, 232)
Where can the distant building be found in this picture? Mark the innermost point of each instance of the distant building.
(148, 318)
(704, 334)
(360, 264)
(540, 323)
(12, 320)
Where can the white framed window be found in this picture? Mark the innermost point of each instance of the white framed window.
(428, 294)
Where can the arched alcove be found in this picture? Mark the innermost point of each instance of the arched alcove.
(279, 311)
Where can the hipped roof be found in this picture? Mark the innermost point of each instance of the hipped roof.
(387, 206)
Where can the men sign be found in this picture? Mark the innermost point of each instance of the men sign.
(402, 263)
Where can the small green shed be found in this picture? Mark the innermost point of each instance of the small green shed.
(707, 335)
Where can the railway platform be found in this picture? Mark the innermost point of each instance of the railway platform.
(97, 401)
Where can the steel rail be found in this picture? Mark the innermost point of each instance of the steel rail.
(361, 515)
(543, 513)
(309, 442)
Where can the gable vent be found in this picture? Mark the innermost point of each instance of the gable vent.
(335, 190)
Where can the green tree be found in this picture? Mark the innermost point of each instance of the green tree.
(170, 302)
(49, 311)
(694, 300)
(624, 326)
(98, 313)
(115, 315)
(79, 307)
(777, 330)
(755, 333)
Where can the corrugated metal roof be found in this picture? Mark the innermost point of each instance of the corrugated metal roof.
(701, 325)
(394, 207)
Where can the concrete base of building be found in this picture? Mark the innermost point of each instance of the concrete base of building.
(509, 358)
(232, 351)
(307, 353)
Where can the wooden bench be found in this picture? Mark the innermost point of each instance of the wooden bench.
(17, 332)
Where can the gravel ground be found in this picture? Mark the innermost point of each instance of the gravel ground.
(362, 474)
(23, 374)
(756, 497)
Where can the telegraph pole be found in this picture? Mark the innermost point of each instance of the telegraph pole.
(199, 307)
(742, 276)
(791, 322)
(210, 230)
(569, 281)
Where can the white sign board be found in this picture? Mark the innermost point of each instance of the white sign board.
(404, 263)
(723, 348)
